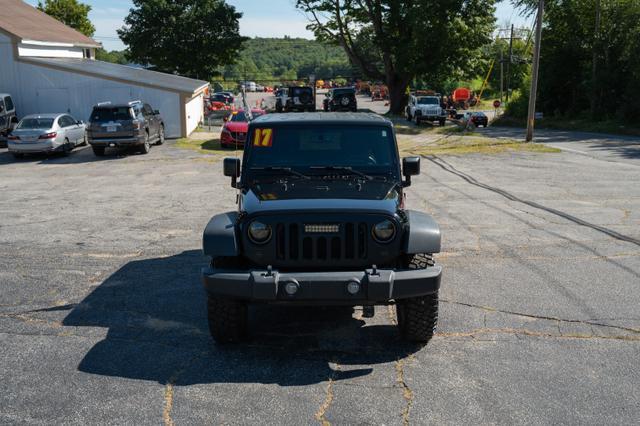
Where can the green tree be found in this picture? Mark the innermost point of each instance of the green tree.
(114, 56)
(71, 13)
(396, 41)
(589, 62)
(187, 37)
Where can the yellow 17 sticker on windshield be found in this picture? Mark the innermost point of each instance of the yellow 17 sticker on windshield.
(263, 137)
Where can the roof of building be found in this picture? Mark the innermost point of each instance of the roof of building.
(28, 23)
(324, 118)
(123, 73)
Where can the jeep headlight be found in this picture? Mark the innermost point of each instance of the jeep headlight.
(384, 231)
(259, 232)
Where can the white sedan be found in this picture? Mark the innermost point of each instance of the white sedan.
(45, 133)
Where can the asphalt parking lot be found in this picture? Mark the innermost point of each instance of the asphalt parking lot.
(103, 320)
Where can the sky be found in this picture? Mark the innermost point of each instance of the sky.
(273, 18)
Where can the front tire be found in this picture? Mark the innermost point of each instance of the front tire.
(418, 316)
(227, 319)
(417, 120)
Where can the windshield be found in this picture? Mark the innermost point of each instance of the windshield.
(428, 101)
(343, 92)
(35, 123)
(239, 116)
(298, 91)
(367, 148)
(111, 114)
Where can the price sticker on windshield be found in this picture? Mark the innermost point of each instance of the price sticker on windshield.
(263, 138)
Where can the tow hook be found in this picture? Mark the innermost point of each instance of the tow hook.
(368, 311)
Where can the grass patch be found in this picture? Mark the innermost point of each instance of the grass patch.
(211, 146)
(457, 130)
(461, 145)
(579, 125)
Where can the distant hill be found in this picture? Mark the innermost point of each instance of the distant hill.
(275, 59)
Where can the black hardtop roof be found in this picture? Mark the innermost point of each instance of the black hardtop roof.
(323, 118)
(350, 88)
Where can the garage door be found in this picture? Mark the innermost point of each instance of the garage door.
(52, 100)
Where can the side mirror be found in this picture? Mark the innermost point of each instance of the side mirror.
(79, 122)
(231, 168)
(225, 118)
(410, 167)
(156, 112)
(1, 108)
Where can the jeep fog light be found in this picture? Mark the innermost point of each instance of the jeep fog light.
(353, 287)
(384, 231)
(291, 288)
(259, 232)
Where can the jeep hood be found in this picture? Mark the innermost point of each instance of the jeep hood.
(318, 195)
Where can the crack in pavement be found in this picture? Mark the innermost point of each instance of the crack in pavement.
(473, 181)
(524, 332)
(407, 393)
(542, 317)
(329, 396)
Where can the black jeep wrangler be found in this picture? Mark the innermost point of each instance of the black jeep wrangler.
(321, 221)
(341, 99)
(295, 99)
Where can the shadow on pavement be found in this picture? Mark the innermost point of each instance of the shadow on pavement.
(155, 312)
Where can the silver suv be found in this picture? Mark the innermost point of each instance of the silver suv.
(126, 125)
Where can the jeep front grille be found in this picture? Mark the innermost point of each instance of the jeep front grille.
(309, 242)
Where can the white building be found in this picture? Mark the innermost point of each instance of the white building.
(49, 67)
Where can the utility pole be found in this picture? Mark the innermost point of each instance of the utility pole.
(594, 64)
(534, 73)
(509, 63)
(501, 74)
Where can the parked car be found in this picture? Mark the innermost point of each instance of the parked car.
(425, 108)
(249, 86)
(343, 99)
(235, 127)
(321, 220)
(221, 97)
(478, 118)
(295, 99)
(8, 118)
(46, 133)
(124, 125)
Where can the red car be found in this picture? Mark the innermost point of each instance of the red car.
(235, 128)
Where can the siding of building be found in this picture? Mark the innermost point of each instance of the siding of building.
(194, 112)
(36, 88)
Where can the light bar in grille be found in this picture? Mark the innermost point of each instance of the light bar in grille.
(321, 229)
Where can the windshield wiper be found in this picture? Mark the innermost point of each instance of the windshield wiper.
(288, 170)
(343, 169)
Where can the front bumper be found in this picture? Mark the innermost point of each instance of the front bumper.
(35, 147)
(117, 142)
(378, 286)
